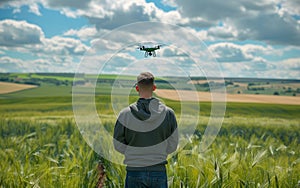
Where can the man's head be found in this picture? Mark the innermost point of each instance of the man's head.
(145, 84)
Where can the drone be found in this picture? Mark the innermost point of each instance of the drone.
(149, 51)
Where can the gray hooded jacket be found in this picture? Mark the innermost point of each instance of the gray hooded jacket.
(146, 132)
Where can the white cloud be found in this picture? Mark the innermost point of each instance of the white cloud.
(18, 33)
(171, 17)
(172, 52)
(56, 54)
(245, 20)
(85, 33)
(17, 4)
(291, 7)
(266, 20)
(230, 52)
(9, 64)
(261, 68)
(288, 68)
(34, 8)
(29, 38)
(170, 3)
(129, 12)
(62, 46)
(271, 21)
(78, 4)
(222, 32)
(292, 64)
(249, 61)
(104, 14)
(271, 28)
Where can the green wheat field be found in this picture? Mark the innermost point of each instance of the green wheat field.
(41, 146)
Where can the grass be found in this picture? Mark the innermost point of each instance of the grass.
(262, 110)
(38, 154)
(41, 146)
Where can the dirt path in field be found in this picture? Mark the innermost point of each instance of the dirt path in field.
(6, 87)
(245, 98)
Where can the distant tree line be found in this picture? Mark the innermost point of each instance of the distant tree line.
(60, 74)
(33, 81)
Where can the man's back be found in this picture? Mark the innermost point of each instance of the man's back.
(146, 132)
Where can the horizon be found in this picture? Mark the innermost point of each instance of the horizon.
(170, 76)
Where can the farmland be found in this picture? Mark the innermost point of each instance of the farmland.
(41, 146)
(277, 87)
(245, 98)
(6, 87)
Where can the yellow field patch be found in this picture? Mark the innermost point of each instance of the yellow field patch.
(183, 95)
(6, 87)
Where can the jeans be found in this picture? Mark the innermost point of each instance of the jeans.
(146, 179)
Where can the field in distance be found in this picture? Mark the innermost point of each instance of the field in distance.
(6, 87)
(237, 89)
(184, 95)
(257, 86)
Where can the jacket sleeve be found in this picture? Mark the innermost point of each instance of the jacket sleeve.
(119, 138)
(173, 138)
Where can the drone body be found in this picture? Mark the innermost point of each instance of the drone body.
(149, 51)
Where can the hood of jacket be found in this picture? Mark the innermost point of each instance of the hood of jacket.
(147, 109)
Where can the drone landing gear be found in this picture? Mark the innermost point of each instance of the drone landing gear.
(150, 54)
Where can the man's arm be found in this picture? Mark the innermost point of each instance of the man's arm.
(173, 138)
(119, 138)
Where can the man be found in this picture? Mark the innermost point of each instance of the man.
(146, 132)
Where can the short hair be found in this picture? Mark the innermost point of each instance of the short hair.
(145, 80)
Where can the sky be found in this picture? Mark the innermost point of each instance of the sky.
(258, 39)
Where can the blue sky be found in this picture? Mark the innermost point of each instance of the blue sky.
(51, 21)
(248, 39)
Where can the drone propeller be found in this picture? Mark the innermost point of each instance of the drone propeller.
(140, 47)
(160, 45)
